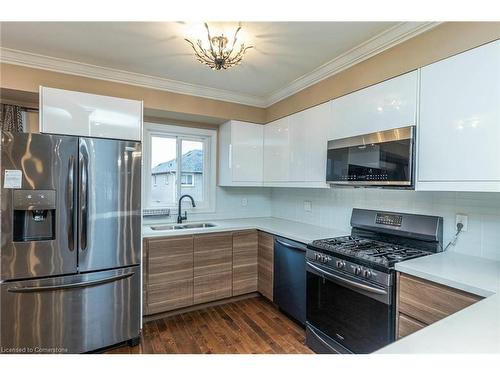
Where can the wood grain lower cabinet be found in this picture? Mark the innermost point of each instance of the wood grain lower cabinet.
(170, 295)
(245, 254)
(421, 303)
(213, 253)
(170, 273)
(145, 277)
(185, 270)
(213, 264)
(266, 264)
(212, 287)
(408, 325)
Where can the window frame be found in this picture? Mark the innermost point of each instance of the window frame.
(188, 175)
(209, 139)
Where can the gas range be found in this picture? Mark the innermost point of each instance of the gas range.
(350, 279)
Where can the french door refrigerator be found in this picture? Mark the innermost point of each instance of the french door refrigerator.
(70, 243)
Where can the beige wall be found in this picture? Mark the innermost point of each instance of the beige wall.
(436, 44)
(26, 79)
(440, 42)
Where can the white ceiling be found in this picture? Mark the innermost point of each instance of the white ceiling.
(283, 52)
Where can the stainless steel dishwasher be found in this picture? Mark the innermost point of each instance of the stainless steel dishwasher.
(290, 278)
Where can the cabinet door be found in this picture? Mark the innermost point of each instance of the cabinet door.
(459, 126)
(316, 122)
(247, 144)
(276, 151)
(170, 273)
(297, 155)
(245, 249)
(387, 105)
(89, 115)
(213, 253)
(266, 265)
(213, 263)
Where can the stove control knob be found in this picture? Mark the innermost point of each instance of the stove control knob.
(340, 264)
(367, 274)
(357, 270)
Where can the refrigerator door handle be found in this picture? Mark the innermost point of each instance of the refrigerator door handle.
(70, 203)
(83, 284)
(83, 201)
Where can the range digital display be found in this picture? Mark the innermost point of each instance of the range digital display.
(389, 219)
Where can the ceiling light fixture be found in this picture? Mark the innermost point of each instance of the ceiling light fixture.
(218, 55)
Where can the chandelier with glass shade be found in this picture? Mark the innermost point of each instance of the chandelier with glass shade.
(219, 53)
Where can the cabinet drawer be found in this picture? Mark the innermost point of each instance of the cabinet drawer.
(213, 253)
(244, 279)
(408, 325)
(170, 259)
(212, 287)
(428, 302)
(170, 295)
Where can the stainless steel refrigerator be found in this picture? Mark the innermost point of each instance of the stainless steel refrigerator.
(70, 243)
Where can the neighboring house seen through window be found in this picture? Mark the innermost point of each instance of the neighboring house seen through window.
(172, 151)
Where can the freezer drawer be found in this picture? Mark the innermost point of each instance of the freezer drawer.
(70, 314)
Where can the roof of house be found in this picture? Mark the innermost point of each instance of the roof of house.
(192, 162)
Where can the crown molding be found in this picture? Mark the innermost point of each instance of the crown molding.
(33, 60)
(381, 42)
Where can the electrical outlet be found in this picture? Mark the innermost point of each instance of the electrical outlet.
(244, 202)
(462, 218)
(308, 206)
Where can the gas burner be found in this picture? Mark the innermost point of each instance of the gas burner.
(368, 250)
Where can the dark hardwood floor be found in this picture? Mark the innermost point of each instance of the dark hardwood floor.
(252, 325)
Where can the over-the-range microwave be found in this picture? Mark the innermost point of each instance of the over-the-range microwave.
(384, 158)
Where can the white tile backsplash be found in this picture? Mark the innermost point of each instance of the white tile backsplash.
(228, 205)
(332, 208)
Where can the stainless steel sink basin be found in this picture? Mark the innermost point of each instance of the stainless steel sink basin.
(199, 225)
(183, 226)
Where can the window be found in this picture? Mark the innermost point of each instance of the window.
(172, 151)
(187, 179)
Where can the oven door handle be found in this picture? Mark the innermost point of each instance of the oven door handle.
(342, 280)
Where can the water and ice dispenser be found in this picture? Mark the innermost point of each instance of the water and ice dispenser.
(34, 215)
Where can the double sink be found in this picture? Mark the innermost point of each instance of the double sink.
(183, 226)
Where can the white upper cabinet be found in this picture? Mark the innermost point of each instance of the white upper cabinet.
(295, 149)
(241, 154)
(277, 151)
(89, 115)
(387, 105)
(459, 122)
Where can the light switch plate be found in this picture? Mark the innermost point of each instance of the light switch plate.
(308, 206)
(244, 202)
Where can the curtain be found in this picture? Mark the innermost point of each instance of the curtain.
(10, 118)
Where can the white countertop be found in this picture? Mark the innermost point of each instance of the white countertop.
(293, 230)
(475, 329)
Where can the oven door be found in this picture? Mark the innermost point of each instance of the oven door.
(353, 315)
(383, 158)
